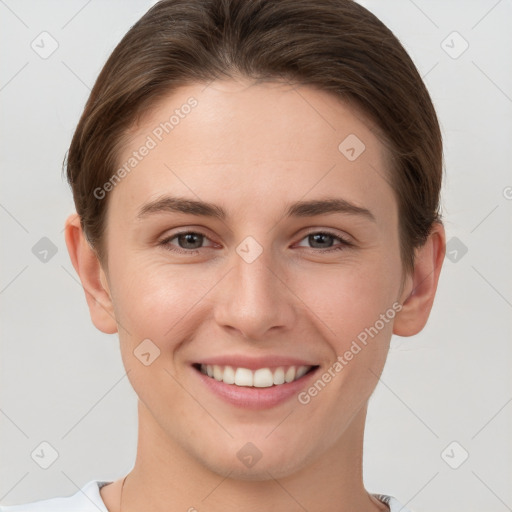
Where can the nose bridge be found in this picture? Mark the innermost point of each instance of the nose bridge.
(254, 298)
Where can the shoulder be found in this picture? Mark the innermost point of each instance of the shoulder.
(393, 504)
(86, 499)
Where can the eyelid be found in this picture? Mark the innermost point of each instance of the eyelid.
(167, 239)
(329, 231)
(343, 239)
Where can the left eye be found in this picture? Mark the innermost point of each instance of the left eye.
(325, 241)
(191, 241)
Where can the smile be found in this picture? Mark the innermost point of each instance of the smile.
(260, 378)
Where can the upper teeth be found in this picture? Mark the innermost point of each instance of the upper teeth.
(261, 378)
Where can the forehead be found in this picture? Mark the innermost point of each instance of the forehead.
(230, 141)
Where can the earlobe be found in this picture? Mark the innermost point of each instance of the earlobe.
(419, 292)
(92, 276)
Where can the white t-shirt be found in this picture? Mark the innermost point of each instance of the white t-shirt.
(88, 499)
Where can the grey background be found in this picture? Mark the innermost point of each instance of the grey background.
(62, 381)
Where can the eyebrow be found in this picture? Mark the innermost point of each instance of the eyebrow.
(169, 204)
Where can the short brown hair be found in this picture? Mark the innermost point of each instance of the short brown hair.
(335, 45)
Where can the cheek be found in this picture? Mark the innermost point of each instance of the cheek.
(355, 306)
(153, 300)
(350, 298)
(155, 303)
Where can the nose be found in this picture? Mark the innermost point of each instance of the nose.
(254, 298)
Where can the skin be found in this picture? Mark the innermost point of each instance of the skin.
(252, 148)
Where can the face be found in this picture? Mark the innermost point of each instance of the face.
(283, 253)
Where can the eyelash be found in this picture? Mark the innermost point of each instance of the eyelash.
(167, 245)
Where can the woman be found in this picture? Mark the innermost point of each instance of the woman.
(257, 192)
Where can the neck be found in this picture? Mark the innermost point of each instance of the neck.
(166, 478)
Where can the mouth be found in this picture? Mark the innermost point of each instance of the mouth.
(264, 377)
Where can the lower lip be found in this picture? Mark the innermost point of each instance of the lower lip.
(255, 398)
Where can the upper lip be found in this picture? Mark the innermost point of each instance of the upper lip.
(254, 363)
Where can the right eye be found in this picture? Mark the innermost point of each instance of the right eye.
(188, 242)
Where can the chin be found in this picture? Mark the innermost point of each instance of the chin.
(265, 465)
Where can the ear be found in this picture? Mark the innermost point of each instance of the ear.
(421, 285)
(92, 276)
